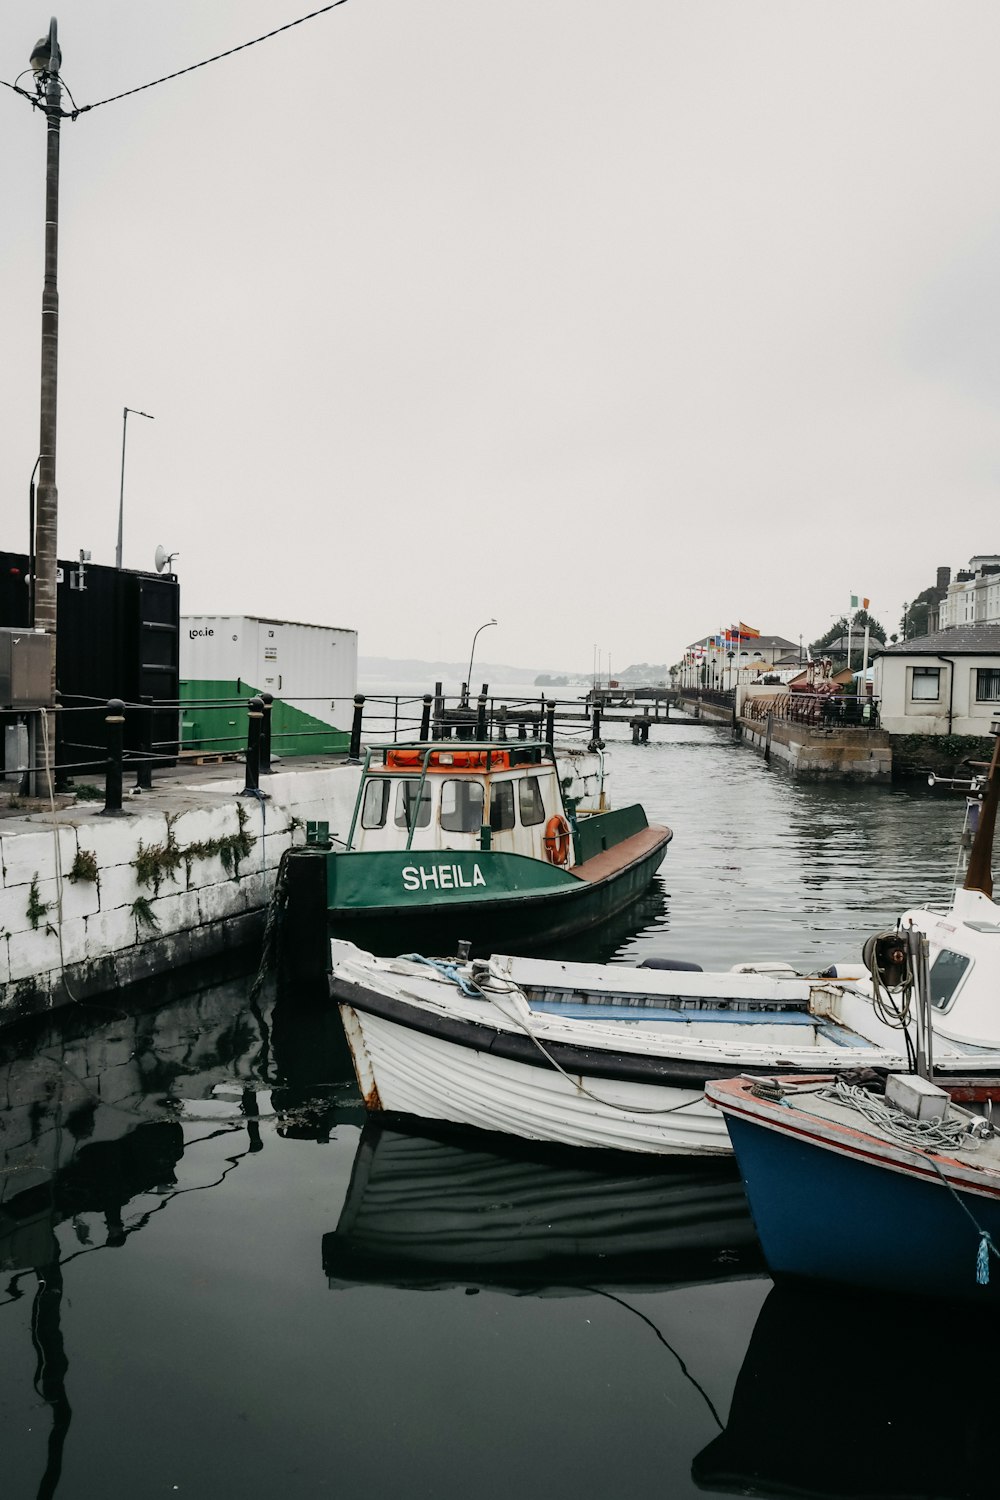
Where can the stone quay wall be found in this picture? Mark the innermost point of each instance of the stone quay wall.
(90, 903)
(818, 754)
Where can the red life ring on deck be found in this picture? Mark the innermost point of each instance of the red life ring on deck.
(557, 840)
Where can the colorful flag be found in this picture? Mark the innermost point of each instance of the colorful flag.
(859, 604)
(747, 633)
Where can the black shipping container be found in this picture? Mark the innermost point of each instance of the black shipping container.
(118, 637)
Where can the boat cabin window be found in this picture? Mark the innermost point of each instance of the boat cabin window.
(501, 806)
(462, 804)
(375, 804)
(408, 814)
(530, 804)
(946, 971)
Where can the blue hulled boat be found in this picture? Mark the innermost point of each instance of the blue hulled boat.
(845, 1187)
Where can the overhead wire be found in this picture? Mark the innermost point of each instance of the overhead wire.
(76, 111)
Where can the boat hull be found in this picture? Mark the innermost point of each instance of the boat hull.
(826, 1213)
(415, 1072)
(540, 905)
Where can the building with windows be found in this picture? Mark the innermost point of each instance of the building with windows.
(708, 663)
(944, 683)
(972, 596)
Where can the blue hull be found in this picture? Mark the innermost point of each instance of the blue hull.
(828, 1217)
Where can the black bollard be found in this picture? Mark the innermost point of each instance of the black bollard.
(255, 719)
(267, 699)
(425, 717)
(596, 743)
(481, 718)
(114, 718)
(354, 753)
(550, 723)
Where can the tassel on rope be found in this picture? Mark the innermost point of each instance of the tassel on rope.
(983, 1259)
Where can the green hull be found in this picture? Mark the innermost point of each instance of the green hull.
(520, 905)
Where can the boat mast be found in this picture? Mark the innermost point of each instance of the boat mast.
(979, 874)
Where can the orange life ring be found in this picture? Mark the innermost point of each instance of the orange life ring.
(557, 840)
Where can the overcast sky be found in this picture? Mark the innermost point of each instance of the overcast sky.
(617, 321)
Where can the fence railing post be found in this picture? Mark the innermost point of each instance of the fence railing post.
(425, 717)
(438, 710)
(255, 719)
(354, 751)
(114, 718)
(267, 702)
(596, 743)
(550, 723)
(481, 718)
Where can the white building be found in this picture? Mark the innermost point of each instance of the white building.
(973, 598)
(945, 683)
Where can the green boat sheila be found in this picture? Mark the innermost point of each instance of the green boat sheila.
(474, 841)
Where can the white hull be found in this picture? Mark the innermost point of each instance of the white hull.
(426, 1076)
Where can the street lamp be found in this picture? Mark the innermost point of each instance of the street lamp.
(45, 62)
(121, 492)
(473, 651)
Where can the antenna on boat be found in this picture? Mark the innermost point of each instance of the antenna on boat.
(979, 872)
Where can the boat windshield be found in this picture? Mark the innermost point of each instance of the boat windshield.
(408, 814)
(946, 971)
(462, 804)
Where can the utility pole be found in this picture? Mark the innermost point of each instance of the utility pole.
(45, 61)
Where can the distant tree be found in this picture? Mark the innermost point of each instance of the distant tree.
(839, 630)
(914, 620)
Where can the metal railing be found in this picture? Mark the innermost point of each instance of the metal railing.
(116, 737)
(820, 710)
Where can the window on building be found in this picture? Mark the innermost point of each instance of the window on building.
(988, 685)
(375, 804)
(530, 804)
(462, 804)
(501, 806)
(926, 684)
(408, 813)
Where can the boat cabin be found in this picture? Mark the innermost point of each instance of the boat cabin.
(455, 796)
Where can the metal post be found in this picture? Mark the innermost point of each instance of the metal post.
(255, 720)
(121, 491)
(502, 722)
(481, 718)
(354, 752)
(46, 59)
(438, 710)
(596, 743)
(425, 717)
(144, 766)
(267, 701)
(550, 723)
(114, 718)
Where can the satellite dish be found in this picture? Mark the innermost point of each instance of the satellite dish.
(163, 558)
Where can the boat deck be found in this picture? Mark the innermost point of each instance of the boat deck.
(637, 846)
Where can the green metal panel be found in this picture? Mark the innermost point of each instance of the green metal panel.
(602, 831)
(223, 731)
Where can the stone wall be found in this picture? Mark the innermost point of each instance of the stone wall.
(837, 755)
(89, 903)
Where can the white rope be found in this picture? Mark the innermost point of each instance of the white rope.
(927, 1135)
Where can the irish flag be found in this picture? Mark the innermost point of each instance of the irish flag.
(857, 603)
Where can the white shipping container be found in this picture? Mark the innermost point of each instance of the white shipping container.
(311, 671)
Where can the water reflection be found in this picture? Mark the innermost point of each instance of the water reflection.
(99, 1106)
(432, 1207)
(846, 1395)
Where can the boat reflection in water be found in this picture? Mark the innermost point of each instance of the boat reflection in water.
(850, 1394)
(429, 1207)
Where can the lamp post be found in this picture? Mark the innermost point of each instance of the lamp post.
(45, 62)
(473, 651)
(121, 492)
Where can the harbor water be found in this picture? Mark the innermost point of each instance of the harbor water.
(218, 1279)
